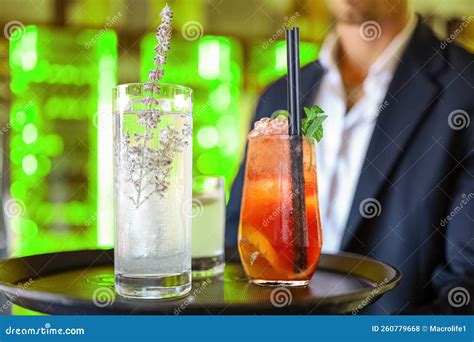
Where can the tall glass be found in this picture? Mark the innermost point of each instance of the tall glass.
(208, 226)
(268, 244)
(152, 190)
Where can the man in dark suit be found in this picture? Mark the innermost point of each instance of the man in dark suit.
(399, 187)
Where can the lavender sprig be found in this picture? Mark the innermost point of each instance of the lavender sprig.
(163, 37)
(145, 161)
(151, 118)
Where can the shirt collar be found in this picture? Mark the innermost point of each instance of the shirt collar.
(390, 57)
(327, 54)
(386, 62)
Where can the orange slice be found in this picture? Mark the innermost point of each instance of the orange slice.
(258, 253)
(262, 260)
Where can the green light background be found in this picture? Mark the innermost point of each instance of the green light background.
(58, 87)
(61, 137)
(212, 67)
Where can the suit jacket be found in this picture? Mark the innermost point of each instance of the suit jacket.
(420, 167)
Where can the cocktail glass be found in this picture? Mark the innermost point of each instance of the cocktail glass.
(208, 226)
(272, 252)
(152, 190)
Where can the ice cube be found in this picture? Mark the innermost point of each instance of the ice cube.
(266, 126)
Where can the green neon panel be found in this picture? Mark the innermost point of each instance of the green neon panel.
(212, 67)
(61, 82)
(268, 64)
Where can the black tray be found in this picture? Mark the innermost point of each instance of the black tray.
(82, 283)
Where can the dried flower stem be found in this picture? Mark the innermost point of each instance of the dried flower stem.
(150, 118)
(150, 167)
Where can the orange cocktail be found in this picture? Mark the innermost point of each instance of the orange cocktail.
(268, 243)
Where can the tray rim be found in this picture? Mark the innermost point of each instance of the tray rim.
(16, 294)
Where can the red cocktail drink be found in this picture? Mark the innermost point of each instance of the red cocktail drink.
(269, 245)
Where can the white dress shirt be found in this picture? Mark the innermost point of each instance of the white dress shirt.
(341, 153)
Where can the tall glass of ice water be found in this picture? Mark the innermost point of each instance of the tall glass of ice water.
(152, 190)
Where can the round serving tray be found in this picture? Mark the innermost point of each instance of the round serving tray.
(81, 282)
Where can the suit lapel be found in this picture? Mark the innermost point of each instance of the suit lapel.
(409, 96)
(311, 76)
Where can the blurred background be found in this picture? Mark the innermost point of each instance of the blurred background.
(59, 60)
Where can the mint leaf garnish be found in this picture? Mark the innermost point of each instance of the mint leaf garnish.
(278, 113)
(313, 124)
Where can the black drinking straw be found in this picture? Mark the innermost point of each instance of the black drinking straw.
(299, 230)
(296, 66)
(290, 60)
